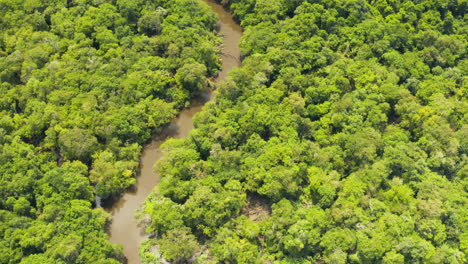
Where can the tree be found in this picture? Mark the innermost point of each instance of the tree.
(111, 176)
(70, 180)
(178, 245)
(191, 77)
(77, 144)
(151, 22)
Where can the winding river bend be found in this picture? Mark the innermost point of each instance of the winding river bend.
(124, 229)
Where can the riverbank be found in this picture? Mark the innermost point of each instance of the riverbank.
(124, 229)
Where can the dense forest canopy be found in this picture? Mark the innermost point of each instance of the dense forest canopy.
(84, 83)
(343, 138)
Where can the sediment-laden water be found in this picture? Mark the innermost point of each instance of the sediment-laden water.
(124, 229)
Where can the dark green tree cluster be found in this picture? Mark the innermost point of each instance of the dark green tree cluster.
(83, 84)
(342, 139)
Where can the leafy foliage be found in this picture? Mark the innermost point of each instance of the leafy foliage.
(349, 118)
(83, 85)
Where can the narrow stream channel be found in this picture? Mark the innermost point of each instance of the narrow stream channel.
(124, 229)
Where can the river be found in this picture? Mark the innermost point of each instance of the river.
(123, 228)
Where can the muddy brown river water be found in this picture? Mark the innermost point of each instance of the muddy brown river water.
(124, 229)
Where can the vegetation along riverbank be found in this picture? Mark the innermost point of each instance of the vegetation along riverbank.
(341, 139)
(84, 84)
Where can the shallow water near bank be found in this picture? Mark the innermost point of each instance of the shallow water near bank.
(124, 229)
